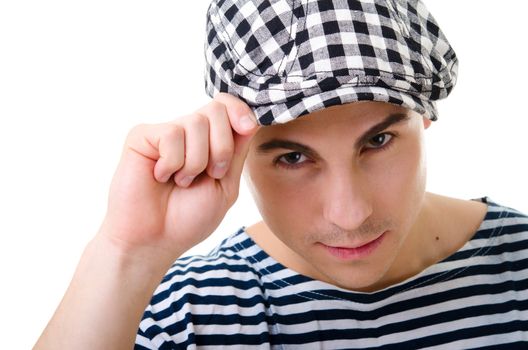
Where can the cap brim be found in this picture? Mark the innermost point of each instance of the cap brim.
(284, 112)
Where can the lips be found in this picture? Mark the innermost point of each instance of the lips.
(359, 251)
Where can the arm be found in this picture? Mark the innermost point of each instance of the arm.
(154, 215)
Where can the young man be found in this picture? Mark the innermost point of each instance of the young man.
(352, 252)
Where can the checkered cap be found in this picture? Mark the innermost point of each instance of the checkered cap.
(287, 58)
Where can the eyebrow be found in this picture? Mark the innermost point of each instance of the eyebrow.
(376, 129)
(285, 144)
(364, 138)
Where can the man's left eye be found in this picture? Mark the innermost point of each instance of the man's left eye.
(379, 140)
(292, 158)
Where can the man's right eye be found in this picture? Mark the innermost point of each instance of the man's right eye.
(291, 160)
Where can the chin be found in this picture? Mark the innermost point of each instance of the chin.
(355, 282)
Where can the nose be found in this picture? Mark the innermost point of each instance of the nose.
(346, 201)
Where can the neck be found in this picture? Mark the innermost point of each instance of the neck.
(442, 227)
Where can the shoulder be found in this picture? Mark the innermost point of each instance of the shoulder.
(504, 225)
(225, 267)
(475, 218)
(480, 228)
(502, 210)
(219, 289)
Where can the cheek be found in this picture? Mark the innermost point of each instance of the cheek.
(400, 185)
(405, 172)
(286, 203)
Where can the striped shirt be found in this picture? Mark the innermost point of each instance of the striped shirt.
(239, 297)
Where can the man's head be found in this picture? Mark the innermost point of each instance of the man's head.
(342, 177)
(348, 88)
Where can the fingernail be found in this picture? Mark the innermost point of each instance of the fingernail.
(247, 123)
(219, 169)
(186, 181)
(165, 178)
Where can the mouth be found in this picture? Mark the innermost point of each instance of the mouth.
(356, 252)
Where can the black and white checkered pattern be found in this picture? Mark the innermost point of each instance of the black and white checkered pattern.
(287, 58)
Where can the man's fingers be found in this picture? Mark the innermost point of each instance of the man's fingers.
(232, 178)
(221, 143)
(241, 117)
(196, 149)
(215, 140)
(171, 152)
(161, 143)
(242, 143)
(243, 123)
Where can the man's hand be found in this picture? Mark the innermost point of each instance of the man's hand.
(176, 180)
(173, 185)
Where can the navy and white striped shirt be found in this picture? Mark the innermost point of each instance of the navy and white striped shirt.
(240, 297)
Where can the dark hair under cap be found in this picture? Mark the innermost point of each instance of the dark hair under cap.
(287, 58)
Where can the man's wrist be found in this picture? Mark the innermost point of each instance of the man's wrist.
(108, 294)
(146, 261)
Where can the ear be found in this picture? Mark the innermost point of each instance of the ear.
(427, 122)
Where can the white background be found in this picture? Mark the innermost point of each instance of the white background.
(75, 76)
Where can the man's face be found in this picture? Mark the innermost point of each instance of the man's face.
(341, 188)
